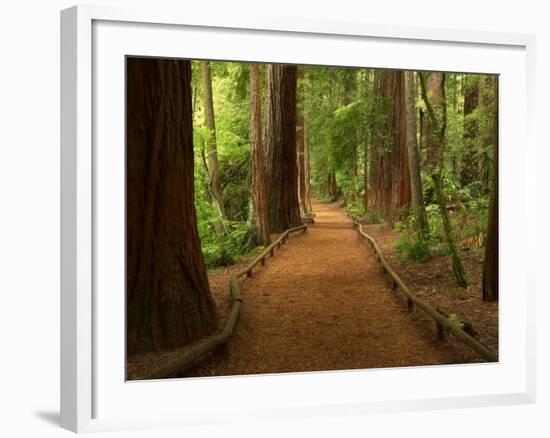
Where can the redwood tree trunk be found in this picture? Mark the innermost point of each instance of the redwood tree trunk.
(280, 143)
(391, 181)
(401, 180)
(490, 263)
(259, 190)
(168, 298)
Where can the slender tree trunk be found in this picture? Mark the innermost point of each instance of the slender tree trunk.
(469, 160)
(259, 186)
(280, 143)
(421, 219)
(350, 90)
(484, 172)
(354, 172)
(300, 146)
(333, 187)
(490, 263)
(211, 147)
(433, 94)
(168, 298)
(423, 132)
(307, 167)
(366, 174)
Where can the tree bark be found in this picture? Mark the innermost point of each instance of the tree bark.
(433, 94)
(401, 180)
(168, 298)
(280, 143)
(421, 219)
(211, 146)
(391, 181)
(490, 262)
(259, 186)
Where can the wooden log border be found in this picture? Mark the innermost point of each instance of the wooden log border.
(216, 341)
(443, 324)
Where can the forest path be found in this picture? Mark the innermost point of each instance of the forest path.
(322, 303)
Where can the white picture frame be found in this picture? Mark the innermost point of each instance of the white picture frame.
(91, 37)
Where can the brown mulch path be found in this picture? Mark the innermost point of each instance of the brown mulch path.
(323, 304)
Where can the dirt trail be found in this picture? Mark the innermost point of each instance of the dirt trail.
(323, 304)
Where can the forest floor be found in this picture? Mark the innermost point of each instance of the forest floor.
(322, 303)
(434, 283)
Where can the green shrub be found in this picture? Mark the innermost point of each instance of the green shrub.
(415, 249)
(356, 209)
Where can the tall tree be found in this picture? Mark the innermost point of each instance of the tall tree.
(390, 180)
(469, 165)
(371, 85)
(280, 143)
(168, 298)
(421, 219)
(211, 146)
(486, 91)
(259, 186)
(307, 167)
(300, 142)
(350, 88)
(490, 262)
(433, 95)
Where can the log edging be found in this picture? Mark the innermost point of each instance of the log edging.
(218, 340)
(442, 323)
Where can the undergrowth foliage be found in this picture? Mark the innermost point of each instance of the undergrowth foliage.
(347, 122)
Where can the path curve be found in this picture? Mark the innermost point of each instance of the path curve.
(323, 304)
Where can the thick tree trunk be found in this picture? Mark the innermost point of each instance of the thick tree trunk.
(211, 147)
(421, 219)
(380, 154)
(259, 186)
(391, 180)
(280, 143)
(490, 263)
(168, 298)
(433, 94)
(401, 180)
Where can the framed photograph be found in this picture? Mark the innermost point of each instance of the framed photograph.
(283, 218)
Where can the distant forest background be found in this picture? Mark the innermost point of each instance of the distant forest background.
(352, 133)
